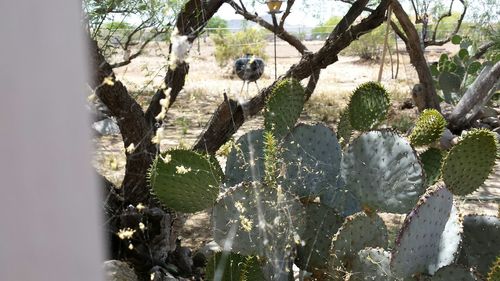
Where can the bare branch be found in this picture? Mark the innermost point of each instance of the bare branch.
(483, 49)
(354, 12)
(475, 97)
(139, 51)
(279, 31)
(289, 5)
(435, 42)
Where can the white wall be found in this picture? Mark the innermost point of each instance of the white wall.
(49, 207)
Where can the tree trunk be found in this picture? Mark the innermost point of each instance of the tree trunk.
(430, 98)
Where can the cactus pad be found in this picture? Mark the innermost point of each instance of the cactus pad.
(368, 106)
(322, 222)
(431, 161)
(470, 162)
(428, 129)
(245, 162)
(342, 200)
(383, 171)
(283, 107)
(417, 244)
(312, 155)
(454, 272)
(372, 264)
(449, 245)
(186, 181)
(227, 266)
(357, 232)
(251, 219)
(481, 242)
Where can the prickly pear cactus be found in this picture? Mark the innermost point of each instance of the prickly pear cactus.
(342, 200)
(470, 162)
(481, 242)
(283, 107)
(454, 272)
(358, 231)
(383, 171)
(428, 129)
(312, 156)
(372, 264)
(253, 219)
(494, 274)
(245, 162)
(322, 222)
(186, 181)
(368, 106)
(227, 266)
(431, 161)
(417, 244)
(449, 244)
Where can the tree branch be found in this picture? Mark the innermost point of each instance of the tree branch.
(279, 31)
(430, 99)
(289, 5)
(483, 49)
(139, 51)
(435, 42)
(229, 116)
(193, 18)
(353, 13)
(475, 97)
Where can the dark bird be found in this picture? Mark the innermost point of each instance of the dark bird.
(249, 68)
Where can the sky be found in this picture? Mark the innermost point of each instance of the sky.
(300, 15)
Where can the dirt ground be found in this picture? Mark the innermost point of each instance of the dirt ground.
(204, 90)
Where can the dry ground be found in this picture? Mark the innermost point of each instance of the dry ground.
(204, 90)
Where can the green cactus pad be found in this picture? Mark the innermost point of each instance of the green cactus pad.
(383, 171)
(344, 129)
(372, 264)
(481, 242)
(186, 181)
(227, 266)
(358, 232)
(283, 107)
(470, 162)
(418, 241)
(312, 156)
(449, 245)
(454, 272)
(322, 222)
(494, 274)
(428, 129)
(368, 106)
(252, 219)
(245, 162)
(431, 160)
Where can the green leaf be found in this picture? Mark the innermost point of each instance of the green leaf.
(456, 39)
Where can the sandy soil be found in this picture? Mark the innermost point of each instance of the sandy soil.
(204, 90)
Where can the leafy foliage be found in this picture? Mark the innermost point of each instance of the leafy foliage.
(230, 46)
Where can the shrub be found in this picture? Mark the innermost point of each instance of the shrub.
(233, 45)
(370, 45)
(323, 30)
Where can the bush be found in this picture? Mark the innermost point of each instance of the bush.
(370, 45)
(323, 30)
(231, 46)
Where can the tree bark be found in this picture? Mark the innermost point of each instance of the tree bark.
(476, 96)
(417, 58)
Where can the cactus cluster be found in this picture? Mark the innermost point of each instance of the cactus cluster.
(291, 195)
